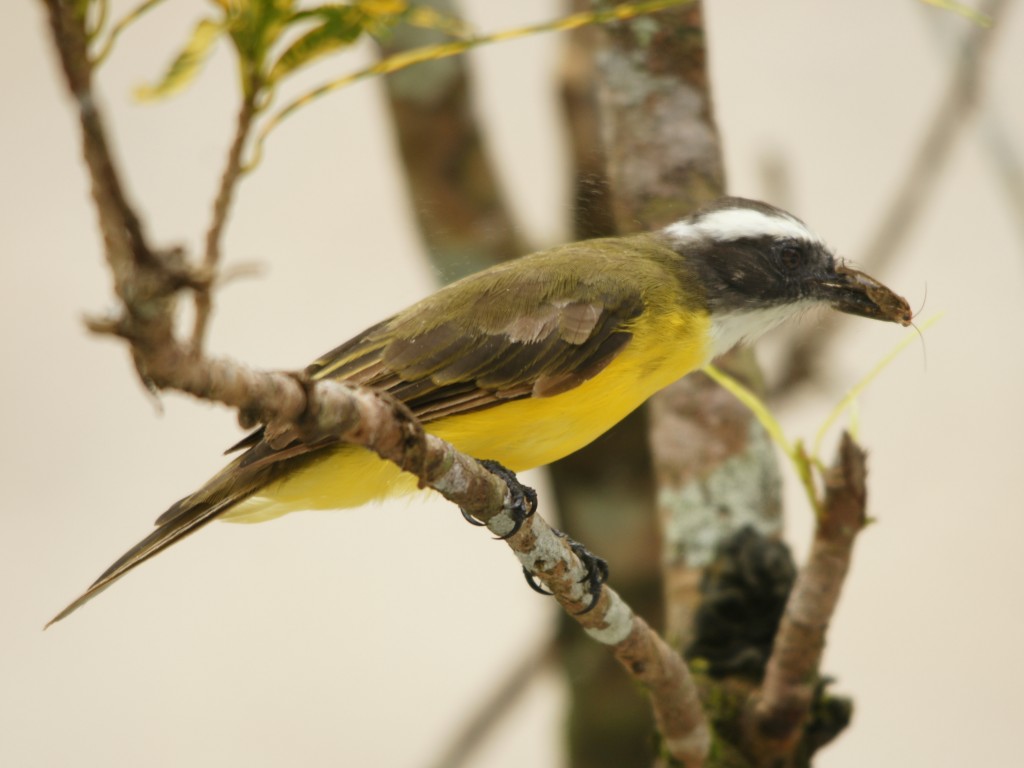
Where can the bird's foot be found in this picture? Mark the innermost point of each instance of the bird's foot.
(596, 573)
(523, 502)
(523, 505)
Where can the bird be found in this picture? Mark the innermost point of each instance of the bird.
(528, 361)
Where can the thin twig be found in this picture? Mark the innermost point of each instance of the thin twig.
(945, 128)
(122, 231)
(119, 27)
(221, 208)
(996, 141)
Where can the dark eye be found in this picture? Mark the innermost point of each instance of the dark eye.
(791, 257)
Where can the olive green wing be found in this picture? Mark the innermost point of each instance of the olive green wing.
(465, 363)
(529, 329)
(504, 334)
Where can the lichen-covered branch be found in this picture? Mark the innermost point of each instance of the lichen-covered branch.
(604, 491)
(716, 472)
(664, 160)
(660, 139)
(640, 650)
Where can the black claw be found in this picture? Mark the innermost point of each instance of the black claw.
(595, 577)
(524, 498)
(596, 573)
(470, 519)
(524, 504)
(532, 581)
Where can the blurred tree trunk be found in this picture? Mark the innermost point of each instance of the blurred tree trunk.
(605, 492)
(727, 577)
(663, 160)
(453, 188)
(645, 151)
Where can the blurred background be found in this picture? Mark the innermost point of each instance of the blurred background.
(280, 643)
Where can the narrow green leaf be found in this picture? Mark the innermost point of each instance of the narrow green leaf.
(976, 17)
(187, 64)
(381, 8)
(255, 26)
(408, 58)
(794, 452)
(850, 398)
(338, 27)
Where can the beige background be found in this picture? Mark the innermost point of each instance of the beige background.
(363, 638)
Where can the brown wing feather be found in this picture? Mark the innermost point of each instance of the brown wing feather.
(560, 335)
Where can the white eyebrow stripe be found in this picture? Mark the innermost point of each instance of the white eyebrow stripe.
(735, 223)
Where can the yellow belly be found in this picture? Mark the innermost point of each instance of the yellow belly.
(520, 434)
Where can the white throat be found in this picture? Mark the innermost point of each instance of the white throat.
(730, 328)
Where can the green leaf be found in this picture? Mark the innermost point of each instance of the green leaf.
(255, 26)
(187, 64)
(408, 58)
(382, 8)
(338, 26)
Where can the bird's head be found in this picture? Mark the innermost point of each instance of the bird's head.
(758, 265)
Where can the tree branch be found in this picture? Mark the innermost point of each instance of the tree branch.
(221, 208)
(644, 655)
(145, 280)
(780, 710)
(122, 231)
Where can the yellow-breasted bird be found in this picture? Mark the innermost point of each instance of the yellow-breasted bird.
(532, 359)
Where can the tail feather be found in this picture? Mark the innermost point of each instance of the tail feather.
(164, 536)
(239, 480)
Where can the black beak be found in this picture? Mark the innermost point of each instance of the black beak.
(855, 293)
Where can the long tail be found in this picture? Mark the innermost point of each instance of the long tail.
(167, 534)
(235, 483)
